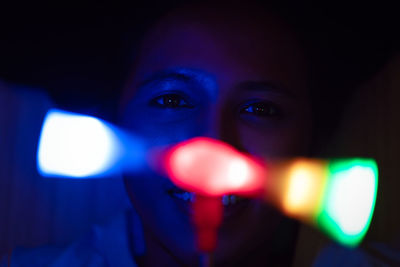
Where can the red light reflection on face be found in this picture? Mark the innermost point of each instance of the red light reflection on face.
(212, 168)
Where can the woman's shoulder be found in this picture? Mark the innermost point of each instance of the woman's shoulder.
(372, 254)
(77, 254)
(103, 245)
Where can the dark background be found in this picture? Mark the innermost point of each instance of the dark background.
(80, 53)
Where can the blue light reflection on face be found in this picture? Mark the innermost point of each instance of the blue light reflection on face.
(81, 146)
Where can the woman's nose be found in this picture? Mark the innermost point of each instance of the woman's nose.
(220, 125)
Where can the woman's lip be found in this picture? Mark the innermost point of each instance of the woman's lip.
(178, 193)
(182, 195)
(232, 206)
(235, 210)
(231, 209)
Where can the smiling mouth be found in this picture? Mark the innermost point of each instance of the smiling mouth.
(189, 197)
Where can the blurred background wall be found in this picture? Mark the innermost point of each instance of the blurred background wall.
(370, 128)
(35, 210)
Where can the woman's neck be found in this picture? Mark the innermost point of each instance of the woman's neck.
(156, 254)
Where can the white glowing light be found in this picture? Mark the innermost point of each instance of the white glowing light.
(238, 173)
(75, 145)
(352, 198)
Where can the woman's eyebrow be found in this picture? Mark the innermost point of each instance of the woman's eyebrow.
(266, 86)
(165, 76)
(186, 75)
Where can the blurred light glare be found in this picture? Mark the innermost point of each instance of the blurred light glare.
(76, 145)
(238, 173)
(336, 196)
(304, 188)
(301, 187)
(351, 199)
(213, 168)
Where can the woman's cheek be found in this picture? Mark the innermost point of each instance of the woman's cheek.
(282, 142)
(161, 129)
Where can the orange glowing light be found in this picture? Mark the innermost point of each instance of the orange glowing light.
(305, 183)
(335, 196)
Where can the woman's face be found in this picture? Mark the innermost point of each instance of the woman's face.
(242, 83)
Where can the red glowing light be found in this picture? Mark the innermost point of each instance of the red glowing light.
(207, 217)
(213, 168)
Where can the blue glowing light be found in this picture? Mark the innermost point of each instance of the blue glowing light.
(80, 146)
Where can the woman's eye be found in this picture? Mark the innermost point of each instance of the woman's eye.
(170, 101)
(261, 109)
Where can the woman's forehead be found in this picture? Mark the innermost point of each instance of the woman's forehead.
(243, 47)
(235, 23)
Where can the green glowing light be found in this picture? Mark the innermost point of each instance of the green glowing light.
(349, 200)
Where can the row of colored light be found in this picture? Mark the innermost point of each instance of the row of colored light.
(81, 146)
(336, 196)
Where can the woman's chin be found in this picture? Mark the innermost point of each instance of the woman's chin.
(245, 231)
